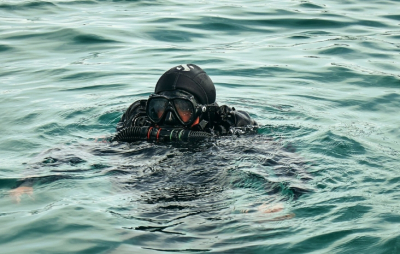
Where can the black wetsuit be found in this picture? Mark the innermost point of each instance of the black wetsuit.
(226, 121)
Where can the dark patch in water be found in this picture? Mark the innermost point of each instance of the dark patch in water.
(5, 48)
(310, 5)
(173, 35)
(185, 173)
(28, 5)
(169, 183)
(394, 17)
(337, 50)
(88, 39)
(156, 229)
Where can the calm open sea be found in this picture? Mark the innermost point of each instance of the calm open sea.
(321, 77)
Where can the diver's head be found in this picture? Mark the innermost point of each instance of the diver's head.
(182, 96)
(190, 78)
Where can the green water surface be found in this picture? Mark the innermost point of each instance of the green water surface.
(321, 77)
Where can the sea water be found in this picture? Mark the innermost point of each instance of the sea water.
(322, 79)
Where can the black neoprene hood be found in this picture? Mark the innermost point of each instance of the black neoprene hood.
(190, 78)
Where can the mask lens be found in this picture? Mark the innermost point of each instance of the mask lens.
(156, 108)
(185, 109)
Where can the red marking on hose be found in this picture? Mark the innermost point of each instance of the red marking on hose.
(148, 133)
(158, 133)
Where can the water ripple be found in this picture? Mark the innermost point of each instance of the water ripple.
(322, 79)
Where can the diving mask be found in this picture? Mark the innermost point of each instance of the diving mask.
(183, 106)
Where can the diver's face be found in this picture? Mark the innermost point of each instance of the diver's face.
(175, 111)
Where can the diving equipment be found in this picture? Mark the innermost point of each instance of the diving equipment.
(177, 108)
(136, 133)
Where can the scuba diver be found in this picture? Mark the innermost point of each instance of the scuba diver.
(182, 108)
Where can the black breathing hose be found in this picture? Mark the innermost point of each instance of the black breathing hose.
(136, 133)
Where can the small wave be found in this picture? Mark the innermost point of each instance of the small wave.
(337, 146)
(31, 5)
(5, 48)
